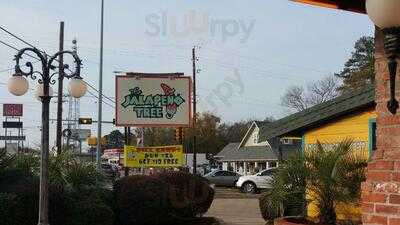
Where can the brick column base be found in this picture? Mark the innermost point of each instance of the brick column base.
(381, 192)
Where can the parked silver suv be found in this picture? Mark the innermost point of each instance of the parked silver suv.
(251, 183)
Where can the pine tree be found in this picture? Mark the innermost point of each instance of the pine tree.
(359, 70)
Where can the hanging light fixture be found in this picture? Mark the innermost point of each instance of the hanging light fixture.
(385, 14)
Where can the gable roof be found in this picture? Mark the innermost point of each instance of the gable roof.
(248, 133)
(232, 152)
(250, 130)
(342, 105)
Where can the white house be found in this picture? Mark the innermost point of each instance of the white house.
(252, 154)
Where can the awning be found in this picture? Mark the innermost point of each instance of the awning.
(348, 5)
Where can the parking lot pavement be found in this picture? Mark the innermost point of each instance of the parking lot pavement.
(244, 211)
(222, 192)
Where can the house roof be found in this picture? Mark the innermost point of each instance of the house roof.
(259, 124)
(262, 123)
(231, 152)
(348, 5)
(321, 113)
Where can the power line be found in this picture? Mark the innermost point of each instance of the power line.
(94, 95)
(16, 49)
(20, 39)
(27, 43)
(7, 70)
(91, 86)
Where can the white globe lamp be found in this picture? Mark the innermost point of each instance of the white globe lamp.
(77, 87)
(39, 92)
(17, 85)
(385, 14)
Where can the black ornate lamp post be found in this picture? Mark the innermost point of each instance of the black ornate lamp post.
(385, 14)
(18, 85)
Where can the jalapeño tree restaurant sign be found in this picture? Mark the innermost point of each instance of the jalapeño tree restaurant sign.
(144, 157)
(153, 101)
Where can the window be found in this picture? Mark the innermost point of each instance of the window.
(286, 141)
(372, 136)
(219, 173)
(224, 174)
(255, 138)
(267, 172)
(272, 164)
(231, 174)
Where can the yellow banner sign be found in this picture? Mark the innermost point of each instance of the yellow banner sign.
(143, 157)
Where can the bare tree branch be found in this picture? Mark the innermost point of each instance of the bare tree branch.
(317, 92)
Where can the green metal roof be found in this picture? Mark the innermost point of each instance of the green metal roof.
(232, 152)
(321, 113)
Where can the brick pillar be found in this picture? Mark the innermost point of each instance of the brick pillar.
(381, 191)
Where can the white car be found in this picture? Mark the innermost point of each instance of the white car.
(251, 183)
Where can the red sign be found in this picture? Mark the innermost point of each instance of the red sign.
(12, 109)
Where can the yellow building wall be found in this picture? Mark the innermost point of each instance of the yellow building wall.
(353, 126)
(356, 127)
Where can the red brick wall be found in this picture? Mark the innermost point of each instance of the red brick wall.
(381, 192)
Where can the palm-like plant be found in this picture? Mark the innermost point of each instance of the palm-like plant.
(330, 175)
(68, 172)
(335, 176)
(288, 190)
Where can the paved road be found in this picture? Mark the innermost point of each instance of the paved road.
(244, 211)
(221, 192)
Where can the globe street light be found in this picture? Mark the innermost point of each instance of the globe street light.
(77, 87)
(385, 15)
(18, 85)
(39, 92)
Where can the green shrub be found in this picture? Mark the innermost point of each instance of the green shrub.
(76, 196)
(9, 212)
(161, 198)
(188, 195)
(140, 200)
(87, 209)
(21, 206)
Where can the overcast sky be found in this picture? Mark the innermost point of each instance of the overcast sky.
(249, 51)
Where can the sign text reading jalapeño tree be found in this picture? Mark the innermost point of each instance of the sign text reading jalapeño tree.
(153, 101)
(152, 106)
(164, 156)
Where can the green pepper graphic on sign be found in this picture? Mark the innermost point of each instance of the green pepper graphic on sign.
(152, 106)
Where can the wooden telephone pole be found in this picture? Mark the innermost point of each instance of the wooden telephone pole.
(194, 59)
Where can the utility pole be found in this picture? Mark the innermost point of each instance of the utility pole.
(60, 90)
(100, 109)
(127, 142)
(194, 111)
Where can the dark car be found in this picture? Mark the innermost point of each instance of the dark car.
(109, 171)
(223, 178)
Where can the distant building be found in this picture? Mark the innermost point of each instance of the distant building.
(252, 155)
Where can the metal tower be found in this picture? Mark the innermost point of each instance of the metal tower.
(73, 113)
